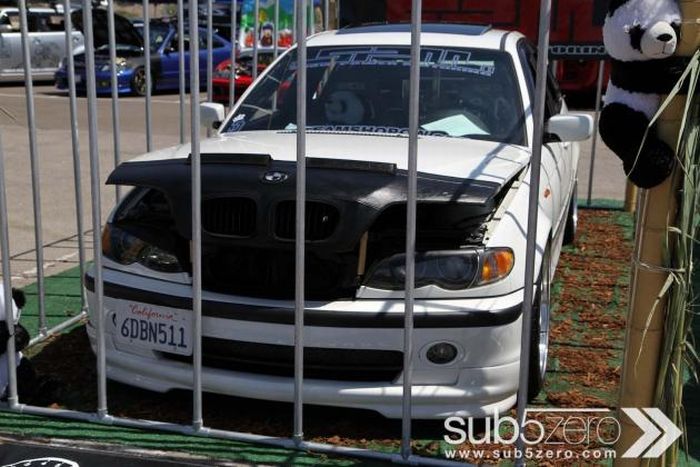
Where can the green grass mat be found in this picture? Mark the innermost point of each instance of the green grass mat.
(601, 203)
(62, 300)
(42, 427)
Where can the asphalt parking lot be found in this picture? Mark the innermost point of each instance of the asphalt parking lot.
(56, 166)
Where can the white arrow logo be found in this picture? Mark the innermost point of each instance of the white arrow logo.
(669, 433)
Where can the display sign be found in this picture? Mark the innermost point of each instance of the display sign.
(576, 30)
(268, 30)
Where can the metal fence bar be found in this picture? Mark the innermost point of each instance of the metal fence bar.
(115, 90)
(147, 69)
(210, 52)
(96, 207)
(284, 443)
(210, 57)
(196, 184)
(181, 65)
(276, 46)
(75, 140)
(12, 399)
(326, 14)
(196, 428)
(596, 119)
(533, 209)
(312, 19)
(34, 164)
(300, 241)
(337, 14)
(256, 31)
(57, 329)
(294, 23)
(411, 207)
(232, 76)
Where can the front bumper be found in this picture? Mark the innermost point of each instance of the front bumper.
(102, 81)
(483, 377)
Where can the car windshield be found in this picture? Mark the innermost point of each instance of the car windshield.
(464, 93)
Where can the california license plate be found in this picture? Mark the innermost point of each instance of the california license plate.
(154, 327)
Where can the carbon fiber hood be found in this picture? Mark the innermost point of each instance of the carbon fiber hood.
(360, 191)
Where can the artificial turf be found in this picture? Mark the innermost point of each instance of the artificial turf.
(46, 428)
(62, 302)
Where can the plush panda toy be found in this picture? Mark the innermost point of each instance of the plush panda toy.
(21, 336)
(641, 37)
(32, 388)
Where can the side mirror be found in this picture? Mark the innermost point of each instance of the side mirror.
(570, 127)
(211, 114)
(5, 28)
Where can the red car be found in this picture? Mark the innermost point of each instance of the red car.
(243, 74)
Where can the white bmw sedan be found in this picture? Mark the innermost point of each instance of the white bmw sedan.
(475, 145)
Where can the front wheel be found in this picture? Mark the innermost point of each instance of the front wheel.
(539, 338)
(138, 82)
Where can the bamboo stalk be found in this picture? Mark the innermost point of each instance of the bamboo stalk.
(645, 322)
(648, 302)
(630, 197)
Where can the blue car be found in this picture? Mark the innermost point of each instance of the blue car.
(131, 74)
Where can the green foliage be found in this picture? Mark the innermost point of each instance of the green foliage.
(679, 357)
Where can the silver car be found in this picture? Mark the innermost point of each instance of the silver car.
(46, 38)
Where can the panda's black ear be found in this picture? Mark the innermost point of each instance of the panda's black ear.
(19, 298)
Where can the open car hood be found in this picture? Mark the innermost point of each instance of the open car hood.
(452, 157)
(125, 32)
(458, 190)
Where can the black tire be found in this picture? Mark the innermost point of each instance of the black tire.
(138, 82)
(572, 218)
(539, 340)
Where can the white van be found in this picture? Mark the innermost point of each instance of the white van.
(47, 43)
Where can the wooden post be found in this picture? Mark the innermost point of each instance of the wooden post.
(656, 211)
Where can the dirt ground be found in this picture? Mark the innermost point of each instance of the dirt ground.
(587, 336)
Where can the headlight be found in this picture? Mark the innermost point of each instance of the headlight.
(124, 248)
(496, 264)
(450, 270)
(120, 64)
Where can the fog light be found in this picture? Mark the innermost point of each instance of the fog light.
(442, 353)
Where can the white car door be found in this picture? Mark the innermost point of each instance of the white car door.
(47, 42)
(10, 52)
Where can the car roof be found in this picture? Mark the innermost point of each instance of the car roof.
(30, 10)
(440, 28)
(432, 34)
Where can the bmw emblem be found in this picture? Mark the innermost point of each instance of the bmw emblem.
(275, 177)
